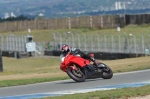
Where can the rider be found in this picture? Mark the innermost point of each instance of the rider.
(66, 48)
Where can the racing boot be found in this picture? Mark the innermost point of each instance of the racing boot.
(90, 70)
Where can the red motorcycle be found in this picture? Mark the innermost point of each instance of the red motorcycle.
(75, 66)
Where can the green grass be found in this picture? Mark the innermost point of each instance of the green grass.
(8, 83)
(45, 69)
(46, 39)
(123, 93)
(29, 65)
(36, 70)
(46, 35)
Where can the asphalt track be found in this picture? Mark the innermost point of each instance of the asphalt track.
(60, 86)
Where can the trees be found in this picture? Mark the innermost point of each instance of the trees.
(18, 18)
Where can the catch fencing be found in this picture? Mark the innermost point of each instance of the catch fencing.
(15, 43)
(119, 43)
(12, 42)
(106, 43)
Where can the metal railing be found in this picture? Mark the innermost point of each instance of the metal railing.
(15, 43)
(12, 42)
(109, 43)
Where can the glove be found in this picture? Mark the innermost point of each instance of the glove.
(73, 49)
(77, 51)
(96, 63)
(92, 59)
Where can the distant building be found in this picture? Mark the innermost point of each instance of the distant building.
(12, 14)
(41, 15)
(7, 15)
(120, 5)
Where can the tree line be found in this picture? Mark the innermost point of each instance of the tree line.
(18, 18)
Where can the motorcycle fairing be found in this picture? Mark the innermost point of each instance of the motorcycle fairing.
(69, 59)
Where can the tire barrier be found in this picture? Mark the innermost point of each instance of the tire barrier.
(100, 55)
(16, 54)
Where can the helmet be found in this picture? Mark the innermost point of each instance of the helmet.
(65, 48)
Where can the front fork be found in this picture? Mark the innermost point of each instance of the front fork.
(78, 70)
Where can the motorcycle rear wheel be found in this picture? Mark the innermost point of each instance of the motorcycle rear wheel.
(76, 75)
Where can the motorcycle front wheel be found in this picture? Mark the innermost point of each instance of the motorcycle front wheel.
(76, 74)
(107, 72)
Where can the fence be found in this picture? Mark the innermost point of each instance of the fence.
(134, 44)
(17, 43)
(137, 19)
(110, 43)
(12, 42)
(100, 21)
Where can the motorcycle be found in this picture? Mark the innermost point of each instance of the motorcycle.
(76, 68)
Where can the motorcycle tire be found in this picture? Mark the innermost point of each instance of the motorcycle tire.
(72, 75)
(107, 72)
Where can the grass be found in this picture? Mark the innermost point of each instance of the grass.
(45, 69)
(38, 34)
(45, 38)
(124, 93)
(7, 83)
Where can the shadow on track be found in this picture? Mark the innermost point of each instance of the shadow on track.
(72, 81)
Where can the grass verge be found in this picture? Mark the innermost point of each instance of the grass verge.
(7, 83)
(48, 36)
(45, 69)
(36, 70)
(124, 93)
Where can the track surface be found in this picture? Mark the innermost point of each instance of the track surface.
(48, 87)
